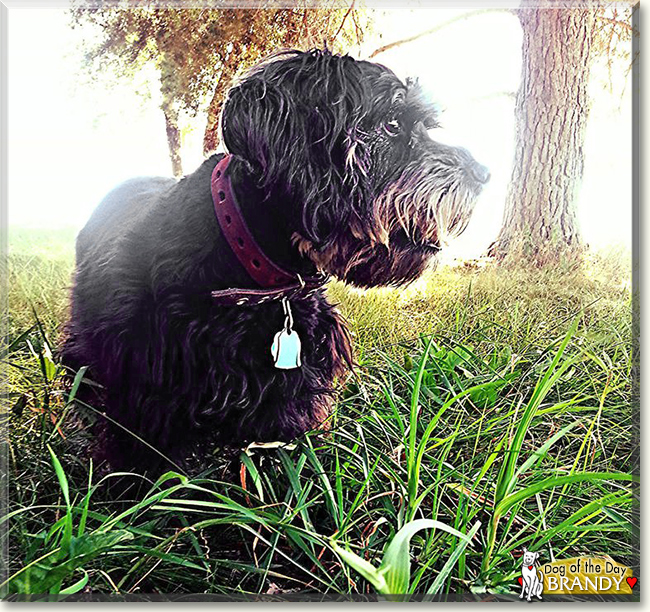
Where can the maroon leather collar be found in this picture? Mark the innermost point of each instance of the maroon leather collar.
(275, 282)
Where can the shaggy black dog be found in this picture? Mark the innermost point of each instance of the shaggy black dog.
(332, 172)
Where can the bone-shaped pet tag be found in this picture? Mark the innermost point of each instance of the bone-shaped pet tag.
(286, 343)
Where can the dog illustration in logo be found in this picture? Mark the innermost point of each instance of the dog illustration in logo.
(531, 580)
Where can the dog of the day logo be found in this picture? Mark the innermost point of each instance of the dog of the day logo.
(532, 583)
(593, 575)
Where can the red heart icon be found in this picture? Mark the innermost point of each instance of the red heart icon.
(520, 580)
(631, 581)
(530, 567)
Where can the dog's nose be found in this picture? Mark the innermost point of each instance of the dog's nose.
(480, 172)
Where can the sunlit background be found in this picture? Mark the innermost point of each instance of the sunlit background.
(72, 139)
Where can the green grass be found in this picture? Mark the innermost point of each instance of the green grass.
(492, 409)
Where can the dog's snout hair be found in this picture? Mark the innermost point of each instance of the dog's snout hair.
(433, 199)
(480, 173)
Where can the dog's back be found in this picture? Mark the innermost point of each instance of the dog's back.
(118, 210)
(110, 244)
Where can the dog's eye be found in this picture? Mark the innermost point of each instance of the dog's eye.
(393, 128)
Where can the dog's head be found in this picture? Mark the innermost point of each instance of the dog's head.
(370, 197)
(529, 557)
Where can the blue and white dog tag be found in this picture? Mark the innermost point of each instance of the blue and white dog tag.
(286, 343)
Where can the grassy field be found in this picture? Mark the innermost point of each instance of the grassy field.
(492, 410)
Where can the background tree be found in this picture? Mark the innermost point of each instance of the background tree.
(551, 112)
(199, 51)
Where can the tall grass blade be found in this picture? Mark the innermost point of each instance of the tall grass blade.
(507, 479)
(78, 378)
(396, 563)
(449, 565)
(77, 586)
(363, 567)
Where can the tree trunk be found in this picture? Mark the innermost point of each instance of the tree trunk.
(173, 138)
(540, 224)
(170, 106)
(211, 135)
(229, 68)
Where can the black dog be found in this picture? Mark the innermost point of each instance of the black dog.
(198, 305)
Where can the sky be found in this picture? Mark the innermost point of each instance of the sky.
(72, 139)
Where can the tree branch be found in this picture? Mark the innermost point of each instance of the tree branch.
(343, 22)
(462, 17)
(618, 23)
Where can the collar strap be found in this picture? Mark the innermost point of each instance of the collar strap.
(275, 282)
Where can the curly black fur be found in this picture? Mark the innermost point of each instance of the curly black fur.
(334, 170)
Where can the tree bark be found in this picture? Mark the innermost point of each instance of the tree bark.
(211, 135)
(173, 138)
(170, 107)
(551, 110)
(226, 76)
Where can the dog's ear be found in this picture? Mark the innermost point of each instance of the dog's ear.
(536, 555)
(294, 121)
(525, 550)
(257, 124)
